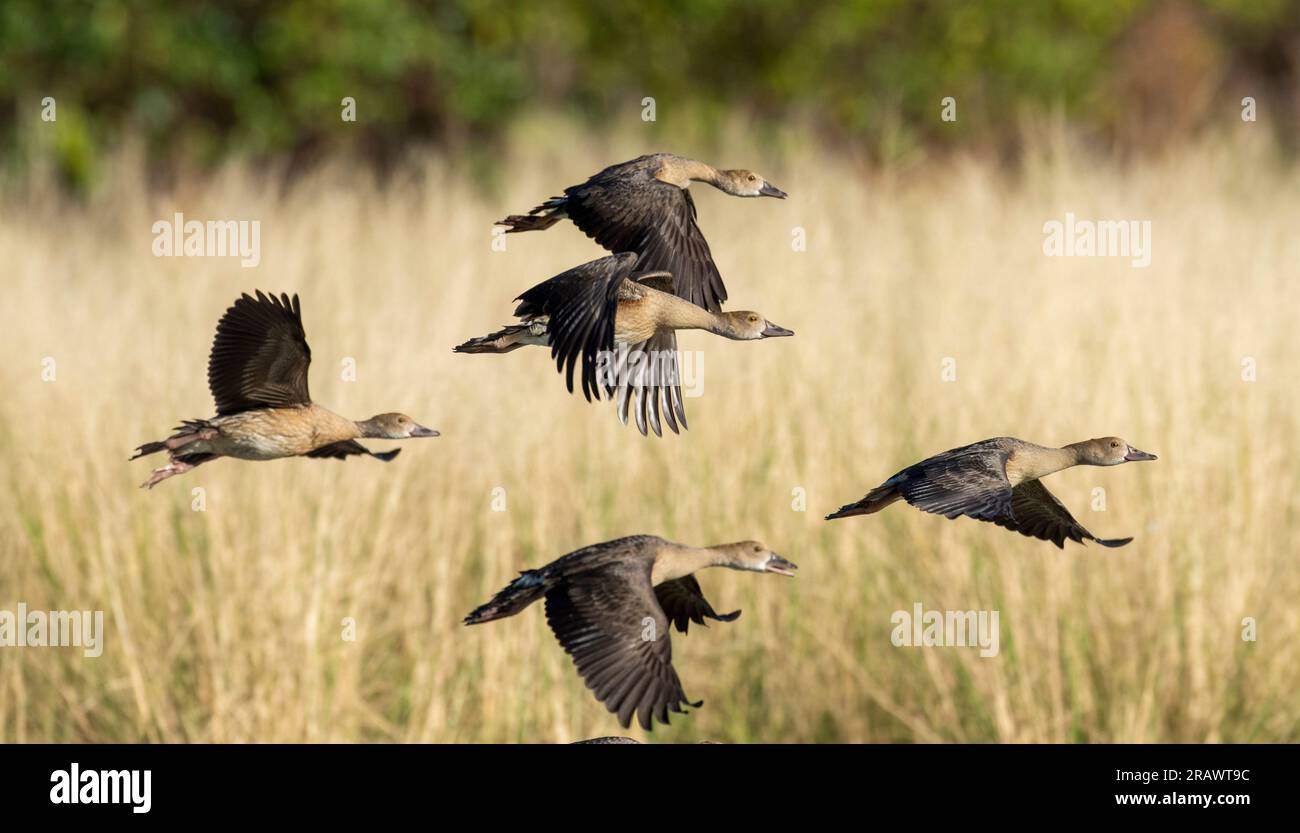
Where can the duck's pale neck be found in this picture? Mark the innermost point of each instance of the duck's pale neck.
(679, 314)
(681, 172)
(327, 425)
(675, 561)
(368, 428)
(1044, 461)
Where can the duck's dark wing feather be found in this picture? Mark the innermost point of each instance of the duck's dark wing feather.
(971, 481)
(648, 372)
(654, 219)
(260, 355)
(611, 624)
(581, 304)
(1037, 513)
(348, 448)
(683, 602)
(657, 221)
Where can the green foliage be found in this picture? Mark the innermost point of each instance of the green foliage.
(198, 81)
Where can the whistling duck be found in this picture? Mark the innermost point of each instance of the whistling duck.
(257, 373)
(610, 606)
(997, 480)
(588, 311)
(644, 206)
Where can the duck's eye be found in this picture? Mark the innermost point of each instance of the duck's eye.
(1114, 445)
(751, 177)
(753, 318)
(758, 549)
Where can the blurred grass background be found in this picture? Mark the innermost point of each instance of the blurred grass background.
(226, 624)
(924, 243)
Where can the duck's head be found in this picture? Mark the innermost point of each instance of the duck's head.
(393, 427)
(747, 325)
(1110, 451)
(743, 183)
(755, 557)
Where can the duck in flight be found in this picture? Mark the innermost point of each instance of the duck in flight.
(257, 373)
(610, 606)
(602, 315)
(644, 206)
(999, 481)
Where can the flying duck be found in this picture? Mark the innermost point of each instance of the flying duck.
(257, 373)
(604, 314)
(645, 206)
(998, 480)
(610, 606)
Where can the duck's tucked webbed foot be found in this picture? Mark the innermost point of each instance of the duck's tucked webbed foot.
(172, 469)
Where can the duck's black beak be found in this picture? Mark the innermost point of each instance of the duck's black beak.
(770, 190)
(777, 564)
(772, 331)
(421, 431)
(1135, 456)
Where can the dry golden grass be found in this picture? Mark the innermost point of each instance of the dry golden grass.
(225, 625)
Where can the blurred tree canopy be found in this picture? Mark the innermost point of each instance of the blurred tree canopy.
(198, 81)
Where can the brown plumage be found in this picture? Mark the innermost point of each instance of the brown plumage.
(611, 606)
(600, 316)
(997, 481)
(259, 356)
(644, 206)
(257, 373)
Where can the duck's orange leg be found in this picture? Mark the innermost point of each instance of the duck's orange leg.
(177, 465)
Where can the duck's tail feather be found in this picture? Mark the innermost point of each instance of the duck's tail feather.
(147, 449)
(517, 595)
(187, 432)
(510, 337)
(875, 500)
(539, 219)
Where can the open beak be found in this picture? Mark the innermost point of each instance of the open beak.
(769, 190)
(777, 564)
(1134, 455)
(421, 431)
(771, 331)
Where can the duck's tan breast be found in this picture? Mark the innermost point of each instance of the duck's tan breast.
(635, 321)
(1016, 470)
(271, 433)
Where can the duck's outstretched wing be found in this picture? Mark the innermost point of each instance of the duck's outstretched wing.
(349, 448)
(652, 395)
(627, 210)
(683, 602)
(648, 374)
(580, 305)
(1037, 513)
(610, 622)
(260, 355)
(970, 481)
